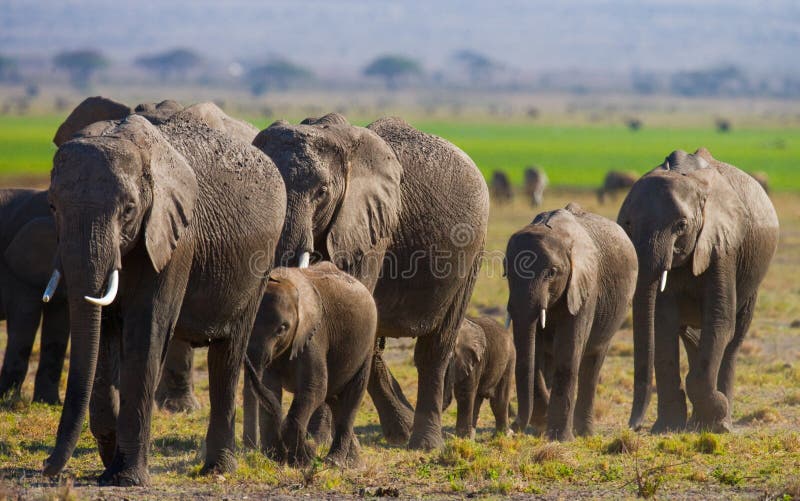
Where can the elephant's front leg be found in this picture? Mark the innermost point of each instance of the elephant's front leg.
(54, 340)
(270, 424)
(431, 356)
(465, 393)
(568, 346)
(225, 357)
(104, 403)
(175, 391)
(312, 384)
(709, 405)
(666, 360)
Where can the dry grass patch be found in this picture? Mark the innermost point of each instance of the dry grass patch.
(627, 442)
(764, 415)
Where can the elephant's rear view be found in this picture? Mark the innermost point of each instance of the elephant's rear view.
(705, 233)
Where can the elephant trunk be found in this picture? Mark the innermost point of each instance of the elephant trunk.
(524, 338)
(87, 266)
(652, 276)
(265, 397)
(297, 239)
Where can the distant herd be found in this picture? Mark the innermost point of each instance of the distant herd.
(293, 252)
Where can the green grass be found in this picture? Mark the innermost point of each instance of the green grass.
(572, 156)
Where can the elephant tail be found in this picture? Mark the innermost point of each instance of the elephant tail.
(266, 398)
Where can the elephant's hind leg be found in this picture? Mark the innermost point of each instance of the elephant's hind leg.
(21, 326)
(395, 412)
(344, 448)
(728, 368)
(54, 340)
(175, 391)
(588, 377)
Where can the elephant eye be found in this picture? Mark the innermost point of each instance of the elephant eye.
(322, 191)
(282, 329)
(550, 273)
(128, 210)
(681, 226)
(52, 208)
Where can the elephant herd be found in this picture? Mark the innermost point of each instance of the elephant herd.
(295, 250)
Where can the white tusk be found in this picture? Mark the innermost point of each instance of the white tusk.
(305, 257)
(663, 281)
(508, 320)
(111, 291)
(543, 318)
(52, 285)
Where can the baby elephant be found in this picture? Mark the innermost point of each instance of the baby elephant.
(481, 367)
(314, 337)
(571, 277)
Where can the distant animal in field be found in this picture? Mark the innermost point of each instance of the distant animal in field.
(615, 182)
(501, 188)
(762, 178)
(314, 337)
(723, 125)
(634, 124)
(482, 367)
(535, 183)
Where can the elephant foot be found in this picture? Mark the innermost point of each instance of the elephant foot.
(225, 462)
(560, 435)
(698, 424)
(346, 458)
(397, 431)
(301, 456)
(669, 424)
(711, 414)
(136, 476)
(466, 433)
(426, 441)
(48, 396)
(177, 401)
(319, 427)
(107, 447)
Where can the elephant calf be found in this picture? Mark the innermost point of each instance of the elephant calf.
(578, 269)
(481, 367)
(314, 336)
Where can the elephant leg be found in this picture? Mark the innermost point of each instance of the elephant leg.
(588, 378)
(104, 402)
(250, 411)
(671, 397)
(500, 401)
(395, 412)
(709, 405)
(431, 356)
(541, 393)
(54, 340)
(568, 346)
(344, 449)
(466, 395)
(295, 427)
(225, 358)
(319, 426)
(728, 368)
(476, 412)
(21, 325)
(269, 427)
(175, 391)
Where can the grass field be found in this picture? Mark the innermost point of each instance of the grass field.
(572, 156)
(760, 459)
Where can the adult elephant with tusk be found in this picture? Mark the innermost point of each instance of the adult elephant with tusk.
(148, 220)
(578, 269)
(705, 233)
(405, 213)
(175, 391)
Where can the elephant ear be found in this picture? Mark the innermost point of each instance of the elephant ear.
(32, 250)
(370, 208)
(309, 306)
(174, 189)
(470, 348)
(722, 214)
(583, 264)
(91, 110)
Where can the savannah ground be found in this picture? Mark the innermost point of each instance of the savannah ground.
(760, 459)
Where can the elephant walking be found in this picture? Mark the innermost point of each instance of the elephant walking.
(28, 246)
(153, 214)
(705, 233)
(571, 277)
(405, 213)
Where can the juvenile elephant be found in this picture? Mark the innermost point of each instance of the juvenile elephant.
(615, 182)
(153, 214)
(405, 213)
(573, 273)
(175, 391)
(714, 230)
(535, 183)
(482, 367)
(501, 188)
(28, 246)
(314, 337)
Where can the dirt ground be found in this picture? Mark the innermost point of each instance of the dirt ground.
(760, 459)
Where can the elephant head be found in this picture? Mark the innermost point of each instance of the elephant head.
(116, 186)
(343, 189)
(551, 264)
(469, 351)
(683, 213)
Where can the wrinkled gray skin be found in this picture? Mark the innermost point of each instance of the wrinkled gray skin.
(482, 367)
(357, 195)
(502, 192)
(535, 183)
(314, 337)
(614, 183)
(581, 269)
(27, 250)
(175, 391)
(713, 228)
(163, 205)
